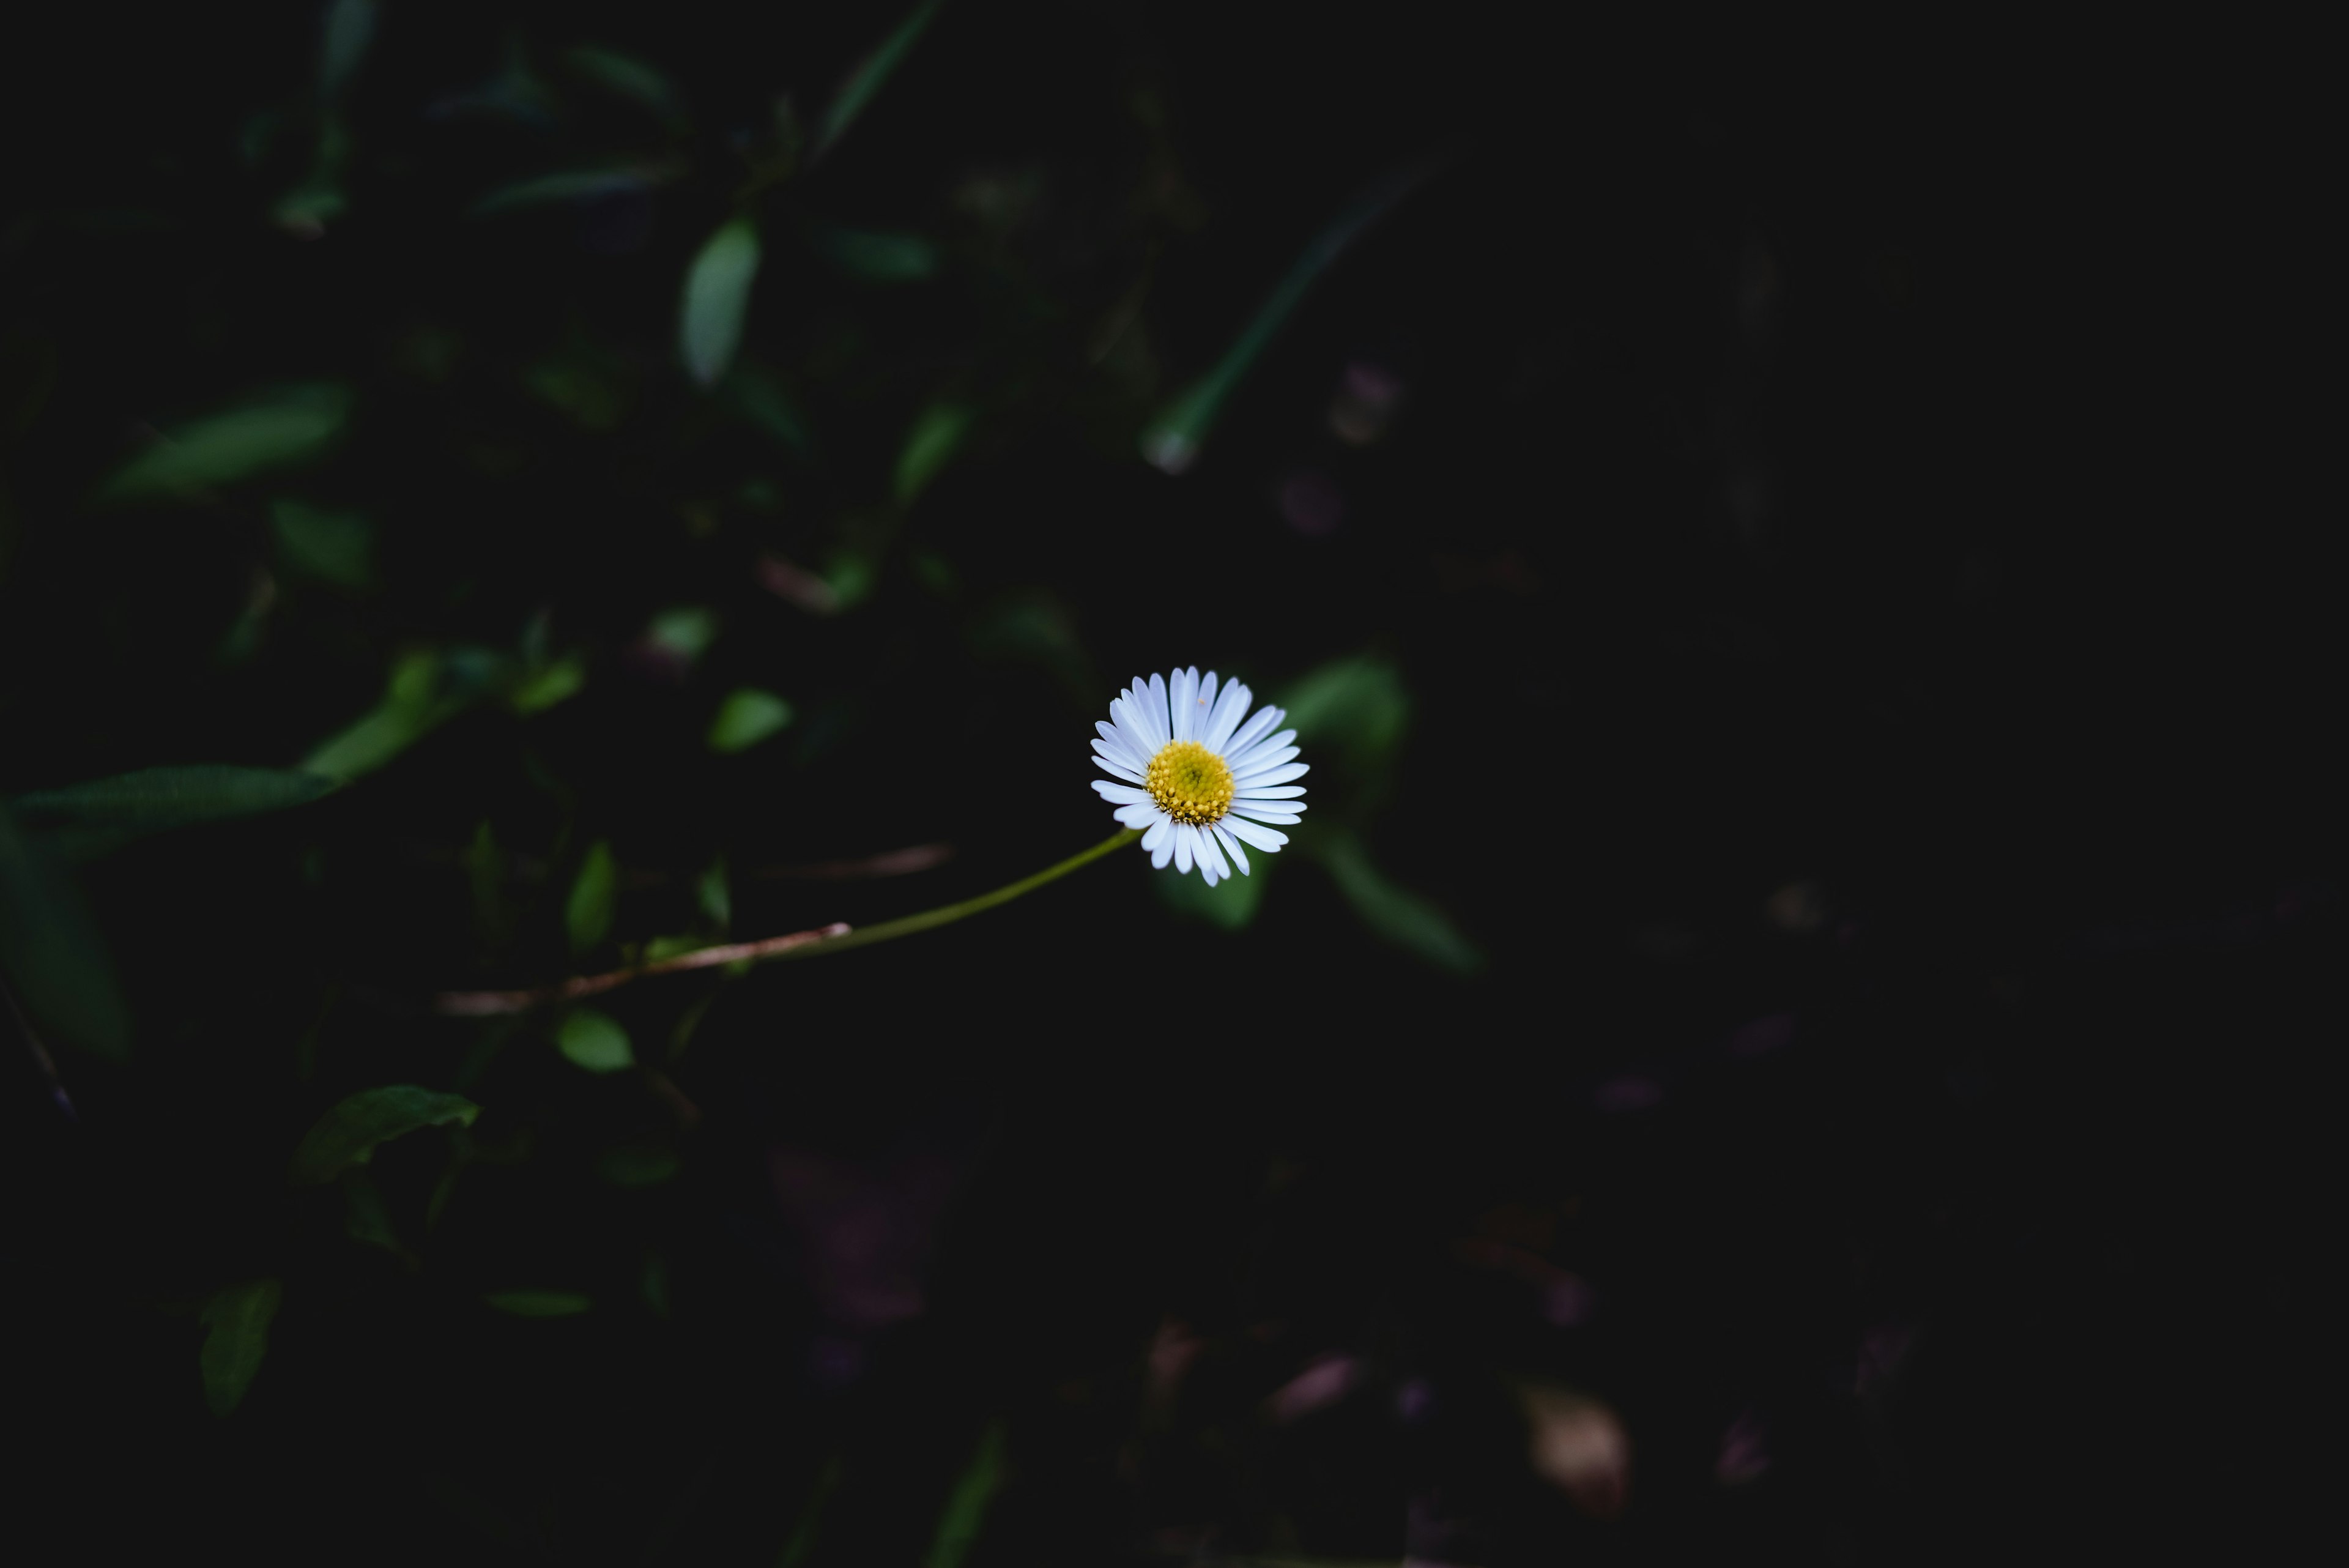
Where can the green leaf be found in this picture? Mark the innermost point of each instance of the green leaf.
(426, 690)
(637, 1166)
(337, 547)
(965, 1509)
(626, 76)
(877, 255)
(747, 717)
(539, 1304)
(684, 633)
(1351, 709)
(52, 954)
(543, 689)
(291, 427)
(1229, 905)
(936, 433)
(349, 25)
(574, 185)
(587, 913)
(1173, 440)
(347, 1135)
(594, 1041)
(1404, 918)
(238, 1319)
(866, 79)
(711, 893)
(91, 818)
(717, 298)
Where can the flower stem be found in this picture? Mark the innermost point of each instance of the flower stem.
(798, 944)
(906, 925)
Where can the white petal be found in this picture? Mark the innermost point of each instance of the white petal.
(1232, 845)
(1272, 792)
(1123, 744)
(1117, 769)
(1258, 811)
(1184, 847)
(1261, 753)
(1180, 689)
(1264, 838)
(1160, 832)
(1211, 856)
(1154, 710)
(1120, 794)
(1203, 705)
(1256, 806)
(1140, 816)
(1229, 707)
(1263, 760)
(1165, 850)
(1265, 719)
(1207, 872)
(1133, 723)
(1279, 776)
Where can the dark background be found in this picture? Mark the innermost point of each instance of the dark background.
(1813, 965)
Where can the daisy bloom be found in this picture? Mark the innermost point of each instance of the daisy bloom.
(1200, 783)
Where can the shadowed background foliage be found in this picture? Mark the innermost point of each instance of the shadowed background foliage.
(1792, 1023)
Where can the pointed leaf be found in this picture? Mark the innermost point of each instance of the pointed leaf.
(588, 914)
(966, 1508)
(347, 1135)
(717, 299)
(866, 79)
(238, 1318)
(937, 431)
(88, 818)
(51, 952)
(222, 448)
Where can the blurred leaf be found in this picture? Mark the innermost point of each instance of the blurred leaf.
(426, 690)
(874, 255)
(51, 952)
(349, 27)
(868, 76)
(539, 1304)
(575, 185)
(288, 427)
(594, 1041)
(238, 1318)
(810, 1516)
(1229, 905)
(626, 76)
(670, 947)
(1355, 707)
(587, 913)
(337, 547)
(1173, 440)
(87, 819)
(684, 633)
(347, 1135)
(717, 299)
(543, 689)
(966, 1508)
(747, 717)
(760, 397)
(936, 433)
(633, 1167)
(1402, 917)
(710, 892)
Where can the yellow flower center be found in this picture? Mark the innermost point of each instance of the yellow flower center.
(1190, 783)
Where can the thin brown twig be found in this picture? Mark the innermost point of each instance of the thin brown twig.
(490, 1004)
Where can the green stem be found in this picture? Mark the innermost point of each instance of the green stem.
(796, 945)
(906, 925)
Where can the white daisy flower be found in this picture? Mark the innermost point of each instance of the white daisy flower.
(1183, 767)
